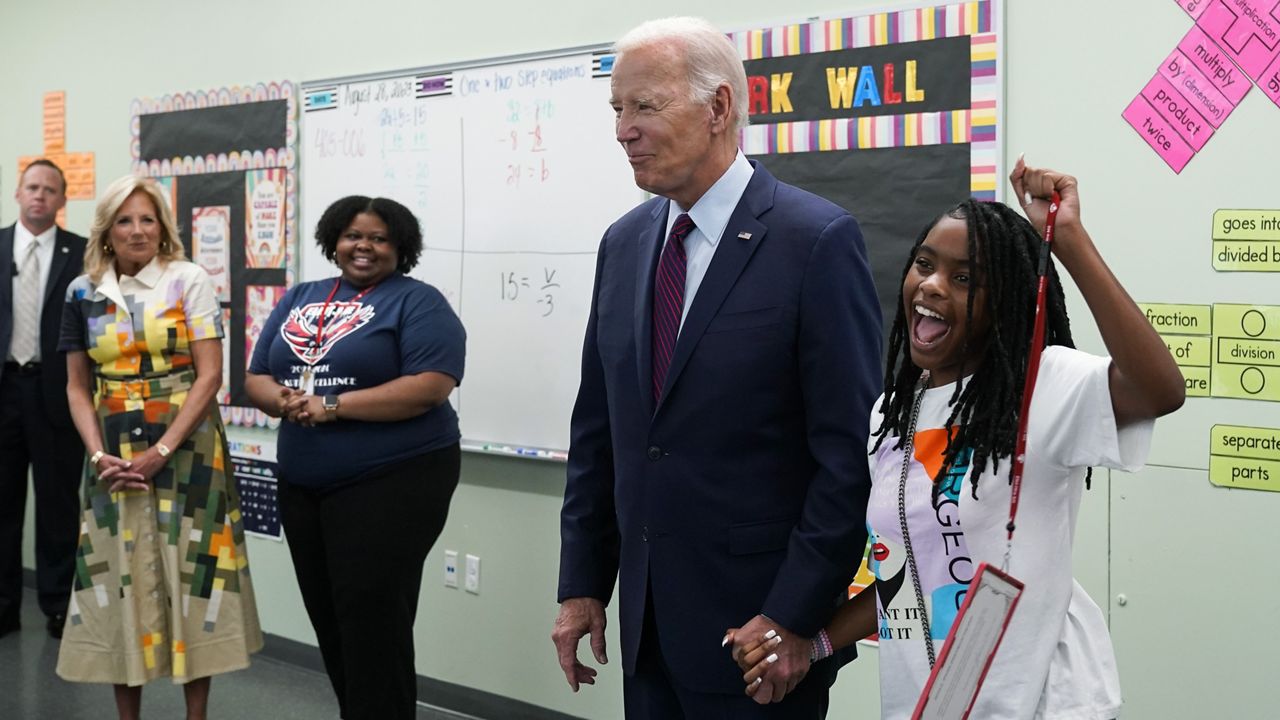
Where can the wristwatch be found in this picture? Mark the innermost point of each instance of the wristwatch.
(163, 449)
(329, 403)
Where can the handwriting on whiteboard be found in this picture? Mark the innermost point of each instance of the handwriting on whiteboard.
(517, 287)
(481, 82)
(524, 140)
(354, 97)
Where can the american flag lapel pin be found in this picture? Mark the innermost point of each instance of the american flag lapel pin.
(744, 235)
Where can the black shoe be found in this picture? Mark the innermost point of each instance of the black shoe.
(9, 624)
(54, 626)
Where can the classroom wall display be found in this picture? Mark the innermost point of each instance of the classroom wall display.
(892, 115)
(1232, 45)
(77, 167)
(227, 159)
(257, 474)
(512, 167)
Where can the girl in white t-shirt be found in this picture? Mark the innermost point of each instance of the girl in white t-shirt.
(955, 370)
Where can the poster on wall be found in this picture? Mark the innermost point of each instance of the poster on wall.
(264, 217)
(227, 159)
(256, 474)
(892, 115)
(77, 167)
(260, 300)
(210, 232)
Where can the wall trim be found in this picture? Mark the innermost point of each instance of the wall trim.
(436, 693)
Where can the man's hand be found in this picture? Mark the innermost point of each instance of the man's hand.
(787, 662)
(579, 616)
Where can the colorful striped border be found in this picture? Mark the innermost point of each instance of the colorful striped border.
(926, 23)
(861, 133)
(977, 125)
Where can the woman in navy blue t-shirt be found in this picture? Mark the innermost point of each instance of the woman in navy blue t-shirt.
(361, 367)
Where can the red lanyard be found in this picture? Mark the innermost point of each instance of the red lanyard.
(324, 309)
(1033, 365)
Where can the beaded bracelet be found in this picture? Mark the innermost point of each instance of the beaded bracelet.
(821, 647)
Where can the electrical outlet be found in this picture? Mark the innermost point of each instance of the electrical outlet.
(473, 574)
(451, 568)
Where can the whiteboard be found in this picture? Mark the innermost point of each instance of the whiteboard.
(512, 169)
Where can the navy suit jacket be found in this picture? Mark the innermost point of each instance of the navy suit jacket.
(67, 263)
(744, 490)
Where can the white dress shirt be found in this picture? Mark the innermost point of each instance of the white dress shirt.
(710, 215)
(22, 238)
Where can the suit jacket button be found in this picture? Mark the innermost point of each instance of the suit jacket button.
(655, 453)
(644, 533)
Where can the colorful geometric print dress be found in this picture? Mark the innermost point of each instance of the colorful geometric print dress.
(162, 579)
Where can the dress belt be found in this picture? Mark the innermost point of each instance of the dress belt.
(137, 387)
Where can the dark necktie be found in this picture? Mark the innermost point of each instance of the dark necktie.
(668, 300)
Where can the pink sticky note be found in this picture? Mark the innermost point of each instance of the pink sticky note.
(1193, 7)
(1270, 81)
(1158, 133)
(1205, 54)
(1178, 111)
(1247, 30)
(1197, 88)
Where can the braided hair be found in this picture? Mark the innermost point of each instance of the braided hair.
(987, 407)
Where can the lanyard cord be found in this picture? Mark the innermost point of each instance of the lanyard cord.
(1033, 371)
(908, 448)
(324, 309)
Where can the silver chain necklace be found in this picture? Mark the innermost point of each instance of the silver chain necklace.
(908, 444)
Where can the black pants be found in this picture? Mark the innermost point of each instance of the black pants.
(654, 693)
(56, 458)
(358, 552)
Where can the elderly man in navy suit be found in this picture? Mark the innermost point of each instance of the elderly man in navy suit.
(717, 463)
(37, 261)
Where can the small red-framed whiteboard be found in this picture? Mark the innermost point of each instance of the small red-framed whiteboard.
(971, 646)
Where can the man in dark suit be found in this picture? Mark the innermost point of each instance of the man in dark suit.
(37, 261)
(717, 462)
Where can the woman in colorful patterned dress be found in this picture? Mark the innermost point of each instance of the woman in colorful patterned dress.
(162, 579)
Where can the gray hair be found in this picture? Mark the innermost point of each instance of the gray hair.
(711, 59)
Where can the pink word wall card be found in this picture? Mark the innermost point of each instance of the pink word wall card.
(1233, 45)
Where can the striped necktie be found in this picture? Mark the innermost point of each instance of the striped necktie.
(26, 308)
(668, 300)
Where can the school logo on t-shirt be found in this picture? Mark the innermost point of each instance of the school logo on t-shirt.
(310, 340)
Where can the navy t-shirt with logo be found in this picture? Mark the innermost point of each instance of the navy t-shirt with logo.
(401, 327)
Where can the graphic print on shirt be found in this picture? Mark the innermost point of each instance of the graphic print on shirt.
(937, 542)
(340, 320)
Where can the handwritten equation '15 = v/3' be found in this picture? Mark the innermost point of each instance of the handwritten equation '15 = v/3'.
(516, 287)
